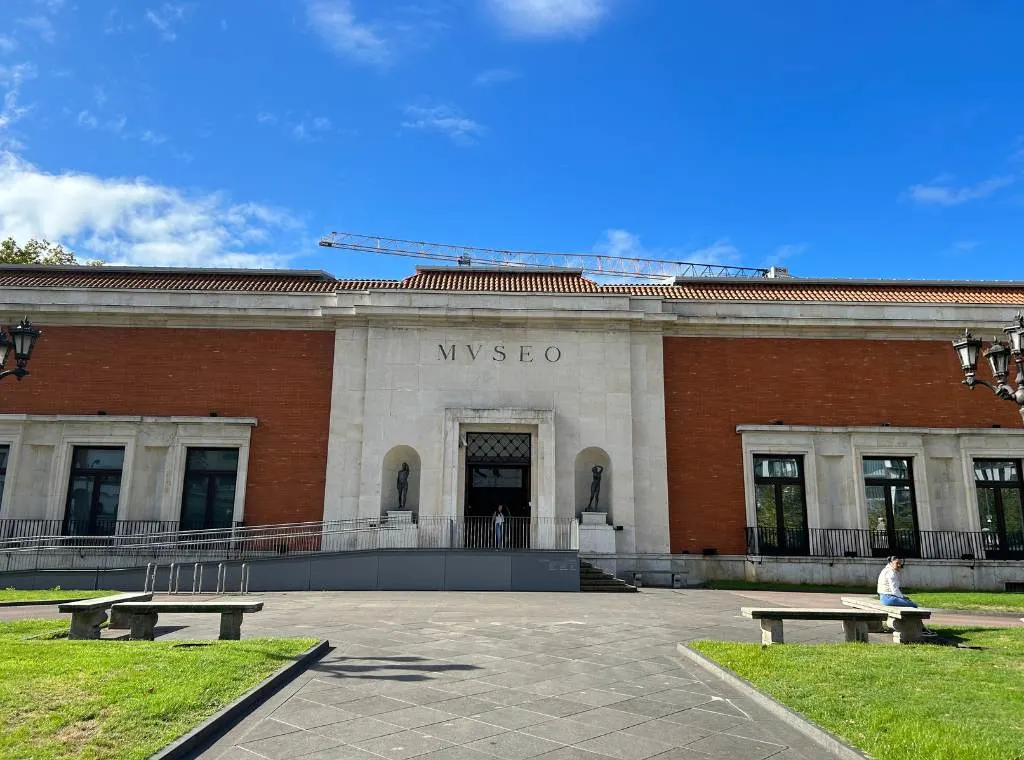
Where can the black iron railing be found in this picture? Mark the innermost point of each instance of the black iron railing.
(853, 542)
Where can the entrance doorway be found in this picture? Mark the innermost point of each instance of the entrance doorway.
(497, 472)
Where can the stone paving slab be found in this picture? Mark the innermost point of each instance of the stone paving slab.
(513, 676)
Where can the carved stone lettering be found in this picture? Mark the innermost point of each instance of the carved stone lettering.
(499, 353)
(552, 353)
(444, 354)
(524, 354)
(473, 352)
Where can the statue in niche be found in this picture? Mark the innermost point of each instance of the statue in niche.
(595, 488)
(403, 484)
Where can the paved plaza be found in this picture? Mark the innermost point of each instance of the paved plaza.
(460, 676)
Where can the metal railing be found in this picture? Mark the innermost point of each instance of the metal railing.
(853, 542)
(13, 529)
(243, 543)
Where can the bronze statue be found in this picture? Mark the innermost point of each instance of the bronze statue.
(403, 484)
(595, 487)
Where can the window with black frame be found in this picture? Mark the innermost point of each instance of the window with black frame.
(208, 495)
(891, 506)
(781, 504)
(94, 491)
(998, 483)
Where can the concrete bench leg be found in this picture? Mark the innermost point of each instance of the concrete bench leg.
(231, 626)
(142, 625)
(86, 624)
(771, 632)
(856, 631)
(119, 619)
(875, 626)
(906, 631)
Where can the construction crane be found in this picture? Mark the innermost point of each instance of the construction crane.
(590, 263)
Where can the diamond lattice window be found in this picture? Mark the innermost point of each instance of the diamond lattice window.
(509, 448)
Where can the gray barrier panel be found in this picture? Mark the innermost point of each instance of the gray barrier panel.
(285, 574)
(477, 571)
(396, 570)
(546, 572)
(410, 571)
(344, 572)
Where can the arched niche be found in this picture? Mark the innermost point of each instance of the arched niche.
(389, 479)
(586, 460)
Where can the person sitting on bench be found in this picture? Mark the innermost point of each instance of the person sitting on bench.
(889, 591)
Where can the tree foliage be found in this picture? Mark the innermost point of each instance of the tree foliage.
(38, 252)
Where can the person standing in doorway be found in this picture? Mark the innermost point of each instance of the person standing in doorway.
(499, 526)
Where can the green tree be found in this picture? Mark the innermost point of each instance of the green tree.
(38, 252)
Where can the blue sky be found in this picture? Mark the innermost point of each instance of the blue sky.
(838, 139)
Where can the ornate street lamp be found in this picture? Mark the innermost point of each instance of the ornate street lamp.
(998, 355)
(22, 338)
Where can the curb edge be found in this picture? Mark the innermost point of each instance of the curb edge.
(828, 741)
(231, 714)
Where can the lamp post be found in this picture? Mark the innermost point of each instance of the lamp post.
(22, 338)
(998, 355)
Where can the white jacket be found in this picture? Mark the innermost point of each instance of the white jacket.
(889, 582)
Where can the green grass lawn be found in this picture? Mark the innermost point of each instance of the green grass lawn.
(986, 601)
(922, 701)
(12, 595)
(121, 700)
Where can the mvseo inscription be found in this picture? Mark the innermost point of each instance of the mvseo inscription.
(499, 352)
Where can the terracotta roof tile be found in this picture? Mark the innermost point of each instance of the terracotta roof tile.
(500, 282)
(453, 279)
(181, 280)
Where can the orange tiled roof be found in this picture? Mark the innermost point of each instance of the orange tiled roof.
(826, 292)
(124, 278)
(453, 279)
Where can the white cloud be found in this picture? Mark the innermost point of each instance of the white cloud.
(445, 120)
(940, 193)
(663, 262)
(86, 119)
(263, 117)
(149, 136)
(90, 121)
(138, 222)
(166, 19)
(784, 252)
(11, 111)
(321, 123)
(41, 25)
(51, 6)
(100, 94)
(7, 44)
(299, 131)
(964, 246)
(549, 18)
(336, 24)
(495, 76)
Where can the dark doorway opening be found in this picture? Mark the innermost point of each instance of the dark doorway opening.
(497, 472)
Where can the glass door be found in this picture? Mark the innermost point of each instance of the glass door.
(781, 505)
(94, 491)
(892, 510)
(1000, 507)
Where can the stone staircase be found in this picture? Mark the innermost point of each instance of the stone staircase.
(597, 580)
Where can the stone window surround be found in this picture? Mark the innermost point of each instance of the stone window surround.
(124, 430)
(857, 442)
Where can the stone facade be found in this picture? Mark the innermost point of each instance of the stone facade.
(326, 387)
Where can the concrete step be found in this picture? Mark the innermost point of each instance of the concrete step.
(594, 579)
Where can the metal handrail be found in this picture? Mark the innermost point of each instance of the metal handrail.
(189, 547)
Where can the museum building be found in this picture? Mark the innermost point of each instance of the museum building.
(779, 427)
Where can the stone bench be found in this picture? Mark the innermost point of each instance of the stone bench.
(907, 623)
(142, 616)
(87, 615)
(855, 622)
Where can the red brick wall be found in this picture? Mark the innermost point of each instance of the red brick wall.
(714, 384)
(283, 378)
